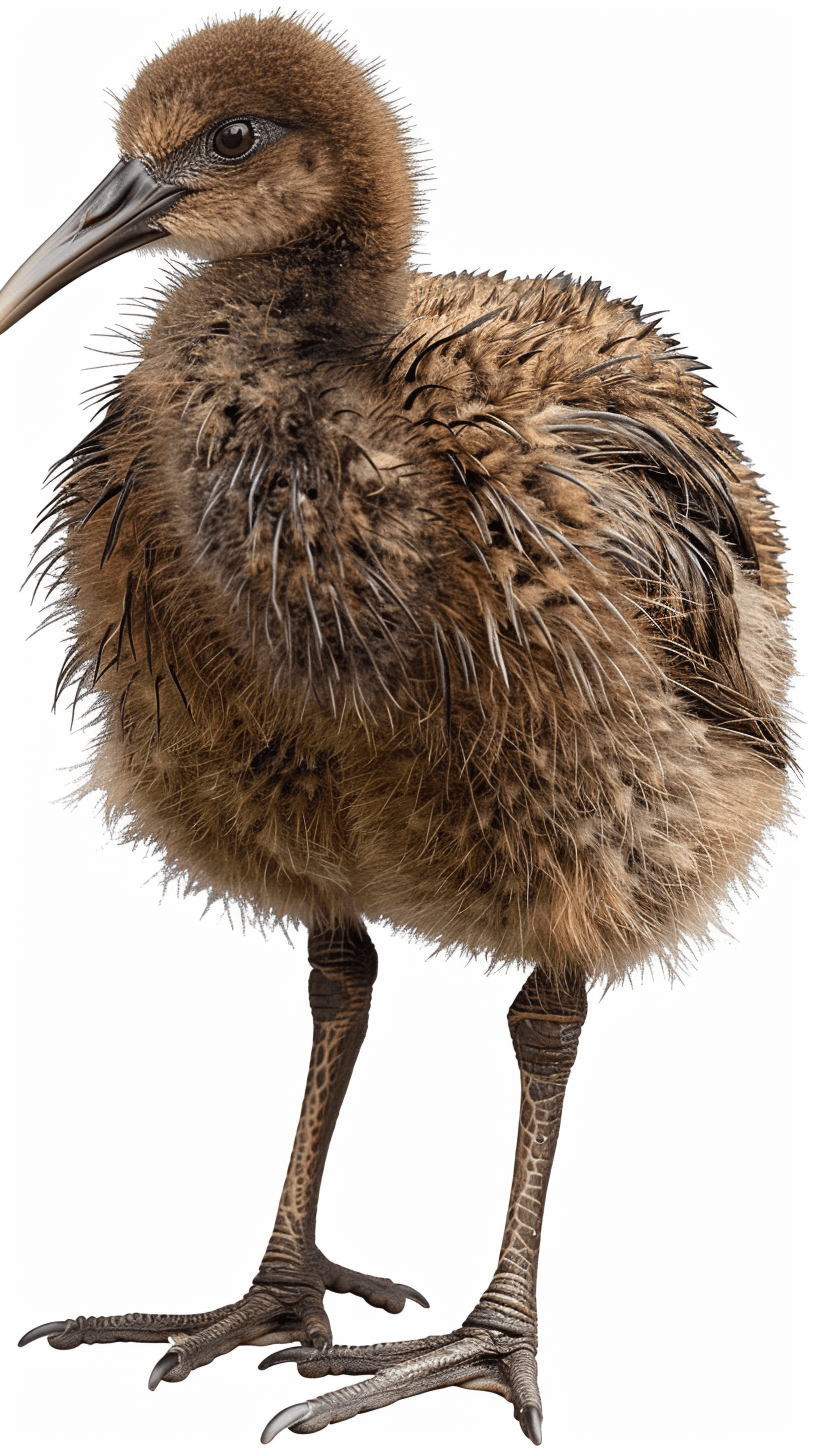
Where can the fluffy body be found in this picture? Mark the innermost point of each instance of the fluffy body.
(476, 626)
(441, 601)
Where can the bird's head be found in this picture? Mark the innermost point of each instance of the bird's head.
(244, 138)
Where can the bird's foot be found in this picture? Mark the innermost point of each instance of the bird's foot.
(477, 1359)
(282, 1305)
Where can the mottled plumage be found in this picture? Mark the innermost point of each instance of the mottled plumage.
(477, 627)
(437, 601)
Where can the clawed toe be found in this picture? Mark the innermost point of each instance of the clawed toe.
(381, 1293)
(60, 1334)
(162, 1368)
(530, 1422)
(477, 1359)
(56, 1327)
(268, 1314)
(285, 1419)
(265, 1314)
(414, 1294)
(355, 1359)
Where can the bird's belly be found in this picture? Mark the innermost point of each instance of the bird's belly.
(244, 813)
(618, 848)
(600, 849)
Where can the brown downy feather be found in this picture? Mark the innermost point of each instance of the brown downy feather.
(441, 600)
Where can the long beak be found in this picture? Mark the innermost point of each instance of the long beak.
(118, 216)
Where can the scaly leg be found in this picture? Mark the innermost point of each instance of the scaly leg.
(495, 1347)
(285, 1301)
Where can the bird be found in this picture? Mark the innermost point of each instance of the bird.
(441, 602)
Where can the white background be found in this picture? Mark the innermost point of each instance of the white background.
(156, 1060)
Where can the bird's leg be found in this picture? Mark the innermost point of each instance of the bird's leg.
(285, 1301)
(545, 1024)
(344, 968)
(495, 1347)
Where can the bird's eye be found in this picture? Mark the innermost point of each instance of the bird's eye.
(234, 139)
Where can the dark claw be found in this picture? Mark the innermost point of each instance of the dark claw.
(284, 1419)
(282, 1357)
(530, 1421)
(414, 1294)
(56, 1327)
(162, 1368)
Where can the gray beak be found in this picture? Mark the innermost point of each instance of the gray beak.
(121, 214)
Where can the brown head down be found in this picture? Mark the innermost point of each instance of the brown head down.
(441, 600)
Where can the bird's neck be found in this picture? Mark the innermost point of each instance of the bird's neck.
(326, 282)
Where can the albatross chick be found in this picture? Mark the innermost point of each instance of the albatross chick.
(440, 601)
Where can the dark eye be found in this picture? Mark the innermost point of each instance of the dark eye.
(234, 139)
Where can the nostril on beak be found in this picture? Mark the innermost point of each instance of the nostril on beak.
(108, 202)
